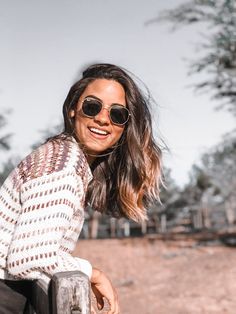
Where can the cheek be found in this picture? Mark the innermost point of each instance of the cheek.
(80, 125)
(117, 131)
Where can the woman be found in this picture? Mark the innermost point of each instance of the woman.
(106, 157)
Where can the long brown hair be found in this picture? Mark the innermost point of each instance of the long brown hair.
(127, 179)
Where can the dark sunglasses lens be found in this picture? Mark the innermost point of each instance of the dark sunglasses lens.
(91, 107)
(119, 114)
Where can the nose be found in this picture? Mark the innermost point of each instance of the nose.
(103, 116)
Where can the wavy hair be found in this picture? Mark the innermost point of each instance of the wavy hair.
(127, 179)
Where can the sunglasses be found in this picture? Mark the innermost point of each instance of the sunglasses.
(118, 114)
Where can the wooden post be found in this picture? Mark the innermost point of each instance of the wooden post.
(94, 224)
(163, 223)
(144, 227)
(70, 293)
(113, 227)
(126, 229)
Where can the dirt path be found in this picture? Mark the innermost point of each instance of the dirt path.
(156, 277)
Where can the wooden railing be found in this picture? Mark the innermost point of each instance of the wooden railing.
(67, 293)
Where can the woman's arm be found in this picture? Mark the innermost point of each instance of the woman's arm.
(48, 227)
(102, 288)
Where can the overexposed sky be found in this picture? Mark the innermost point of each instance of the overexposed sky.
(44, 45)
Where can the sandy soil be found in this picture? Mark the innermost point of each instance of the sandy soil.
(166, 277)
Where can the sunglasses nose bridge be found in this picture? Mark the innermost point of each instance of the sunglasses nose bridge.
(103, 115)
(107, 108)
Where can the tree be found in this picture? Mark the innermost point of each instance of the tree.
(220, 165)
(7, 167)
(4, 138)
(47, 133)
(4, 145)
(212, 186)
(214, 180)
(161, 213)
(219, 45)
(12, 161)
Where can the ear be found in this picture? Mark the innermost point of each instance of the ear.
(72, 114)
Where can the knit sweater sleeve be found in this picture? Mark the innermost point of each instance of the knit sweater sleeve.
(48, 227)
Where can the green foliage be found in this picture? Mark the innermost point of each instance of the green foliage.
(4, 138)
(7, 167)
(216, 174)
(169, 195)
(219, 45)
(47, 133)
(220, 165)
(4, 146)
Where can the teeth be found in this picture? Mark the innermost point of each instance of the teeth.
(98, 131)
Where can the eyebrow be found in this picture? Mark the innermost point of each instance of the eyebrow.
(97, 98)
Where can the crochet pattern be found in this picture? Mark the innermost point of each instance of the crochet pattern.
(42, 212)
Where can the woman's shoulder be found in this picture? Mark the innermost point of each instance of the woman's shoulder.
(55, 155)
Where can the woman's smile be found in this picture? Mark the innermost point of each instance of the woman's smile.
(98, 133)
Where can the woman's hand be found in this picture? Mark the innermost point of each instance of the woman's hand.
(102, 288)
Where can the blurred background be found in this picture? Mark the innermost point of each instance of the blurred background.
(185, 53)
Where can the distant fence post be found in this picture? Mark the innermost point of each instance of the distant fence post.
(163, 223)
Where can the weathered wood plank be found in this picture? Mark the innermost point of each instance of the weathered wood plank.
(70, 293)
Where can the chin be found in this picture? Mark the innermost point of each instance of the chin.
(96, 151)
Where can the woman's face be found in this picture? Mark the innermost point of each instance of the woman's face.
(98, 133)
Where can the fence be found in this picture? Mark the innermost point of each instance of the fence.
(67, 293)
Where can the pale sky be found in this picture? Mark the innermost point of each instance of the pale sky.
(44, 44)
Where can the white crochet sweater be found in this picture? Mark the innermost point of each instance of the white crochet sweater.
(42, 212)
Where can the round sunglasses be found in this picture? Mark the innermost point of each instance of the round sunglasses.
(118, 114)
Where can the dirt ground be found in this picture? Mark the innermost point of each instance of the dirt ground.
(166, 277)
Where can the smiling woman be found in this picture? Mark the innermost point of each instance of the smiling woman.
(105, 157)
